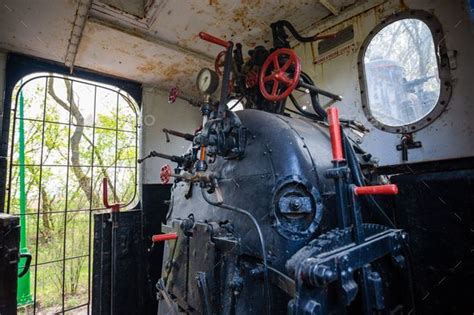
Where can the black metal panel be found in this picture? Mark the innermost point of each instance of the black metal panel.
(298, 152)
(275, 165)
(436, 209)
(155, 208)
(129, 293)
(9, 251)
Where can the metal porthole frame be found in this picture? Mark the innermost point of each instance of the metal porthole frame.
(443, 70)
(318, 208)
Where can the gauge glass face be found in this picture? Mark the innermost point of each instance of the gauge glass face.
(204, 80)
(207, 81)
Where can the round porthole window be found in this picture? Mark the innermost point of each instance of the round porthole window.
(404, 88)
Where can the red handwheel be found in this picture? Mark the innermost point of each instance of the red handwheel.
(280, 74)
(165, 174)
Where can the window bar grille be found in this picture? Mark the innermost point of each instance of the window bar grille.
(92, 167)
(71, 96)
(89, 260)
(39, 195)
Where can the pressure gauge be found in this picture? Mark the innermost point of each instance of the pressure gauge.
(207, 81)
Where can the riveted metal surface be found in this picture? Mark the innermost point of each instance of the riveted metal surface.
(299, 151)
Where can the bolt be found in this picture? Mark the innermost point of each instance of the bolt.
(311, 308)
(322, 275)
(295, 204)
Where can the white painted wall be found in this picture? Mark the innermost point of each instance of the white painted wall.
(451, 135)
(156, 115)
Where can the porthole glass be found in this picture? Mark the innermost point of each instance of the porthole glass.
(401, 73)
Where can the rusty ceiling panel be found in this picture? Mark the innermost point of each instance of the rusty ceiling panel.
(161, 48)
(36, 27)
(165, 51)
(111, 51)
(243, 21)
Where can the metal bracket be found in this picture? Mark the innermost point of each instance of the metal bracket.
(406, 144)
(413, 145)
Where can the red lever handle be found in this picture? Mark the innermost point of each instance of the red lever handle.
(105, 197)
(335, 134)
(163, 237)
(213, 39)
(390, 189)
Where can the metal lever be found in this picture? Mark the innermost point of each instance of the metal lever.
(173, 158)
(186, 136)
(389, 189)
(319, 91)
(105, 198)
(163, 237)
(335, 134)
(215, 40)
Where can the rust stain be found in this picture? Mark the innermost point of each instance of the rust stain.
(169, 72)
(147, 67)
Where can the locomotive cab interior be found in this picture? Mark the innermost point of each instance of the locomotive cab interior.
(236, 157)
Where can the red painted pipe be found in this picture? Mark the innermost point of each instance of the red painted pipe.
(213, 39)
(335, 134)
(376, 190)
(163, 237)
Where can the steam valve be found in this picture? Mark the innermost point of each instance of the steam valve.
(173, 95)
(165, 174)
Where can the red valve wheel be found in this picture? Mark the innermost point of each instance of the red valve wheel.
(173, 95)
(219, 63)
(279, 74)
(165, 174)
(251, 79)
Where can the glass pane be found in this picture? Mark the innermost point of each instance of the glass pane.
(81, 146)
(105, 147)
(58, 100)
(32, 140)
(76, 284)
(50, 238)
(84, 99)
(127, 116)
(80, 193)
(402, 73)
(127, 149)
(77, 234)
(33, 93)
(126, 185)
(106, 108)
(49, 288)
(55, 144)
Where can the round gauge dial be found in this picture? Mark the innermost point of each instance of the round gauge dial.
(207, 81)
